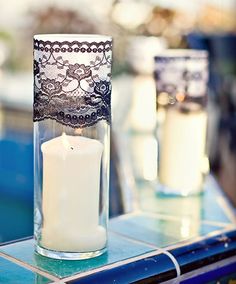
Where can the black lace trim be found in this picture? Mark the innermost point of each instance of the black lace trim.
(72, 93)
(74, 46)
(172, 78)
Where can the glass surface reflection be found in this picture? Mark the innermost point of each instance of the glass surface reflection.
(144, 156)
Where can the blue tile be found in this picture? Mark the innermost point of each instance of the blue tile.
(11, 273)
(160, 232)
(16, 185)
(154, 269)
(13, 227)
(16, 179)
(205, 252)
(223, 275)
(119, 249)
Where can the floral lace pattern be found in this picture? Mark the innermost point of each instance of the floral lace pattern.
(182, 75)
(72, 82)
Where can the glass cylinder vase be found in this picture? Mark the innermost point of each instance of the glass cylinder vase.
(181, 80)
(72, 115)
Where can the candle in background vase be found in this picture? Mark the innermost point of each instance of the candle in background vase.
(70, 200)
(181, 81)
(183, 150)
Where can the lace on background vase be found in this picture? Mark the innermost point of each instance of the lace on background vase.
(73, 90)
(179, 73)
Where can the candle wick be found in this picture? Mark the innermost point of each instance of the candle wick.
(72, 148)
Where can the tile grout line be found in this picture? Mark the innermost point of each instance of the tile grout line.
(218, 224)
(174, 260)
(201, 270)
(163, 216)
(113, 265)
(158, 249)
(198, 239)
(179, 244)
(166, 249)
(28, 267)
(16, 241)
(179, 218)
(139, 242)
(170, 217)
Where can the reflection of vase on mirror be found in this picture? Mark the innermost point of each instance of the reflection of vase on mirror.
(190, 222)
(140, 53)
(144, 156)
(39, 279)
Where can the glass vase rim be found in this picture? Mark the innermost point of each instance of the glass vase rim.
(72, 37)
(182, 53)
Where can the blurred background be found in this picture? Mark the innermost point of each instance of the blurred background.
(140, 30)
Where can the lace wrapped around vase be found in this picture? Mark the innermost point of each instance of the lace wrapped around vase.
(72, 81)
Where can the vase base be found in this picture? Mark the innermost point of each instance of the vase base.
(68, 255)
(164, 190)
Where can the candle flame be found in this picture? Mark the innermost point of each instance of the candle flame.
(65, 141)
(180, 97)
(163, 99)
(78, 131)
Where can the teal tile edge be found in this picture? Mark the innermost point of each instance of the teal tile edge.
(120, 249)
(206, 252)
(10, 272)
(157, 251)
(152, 251)
(109, 272)
(29, 267)
(151, 229)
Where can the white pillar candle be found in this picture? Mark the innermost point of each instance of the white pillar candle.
(183, 150)
(70, 198)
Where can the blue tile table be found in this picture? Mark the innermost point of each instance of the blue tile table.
(164, 239)
(192, 239)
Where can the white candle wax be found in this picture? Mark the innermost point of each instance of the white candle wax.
(183, 150)
(70, 198)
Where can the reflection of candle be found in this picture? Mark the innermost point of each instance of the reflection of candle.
(144, 155)
(143, 112)
(183, 150)
(71, 180)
